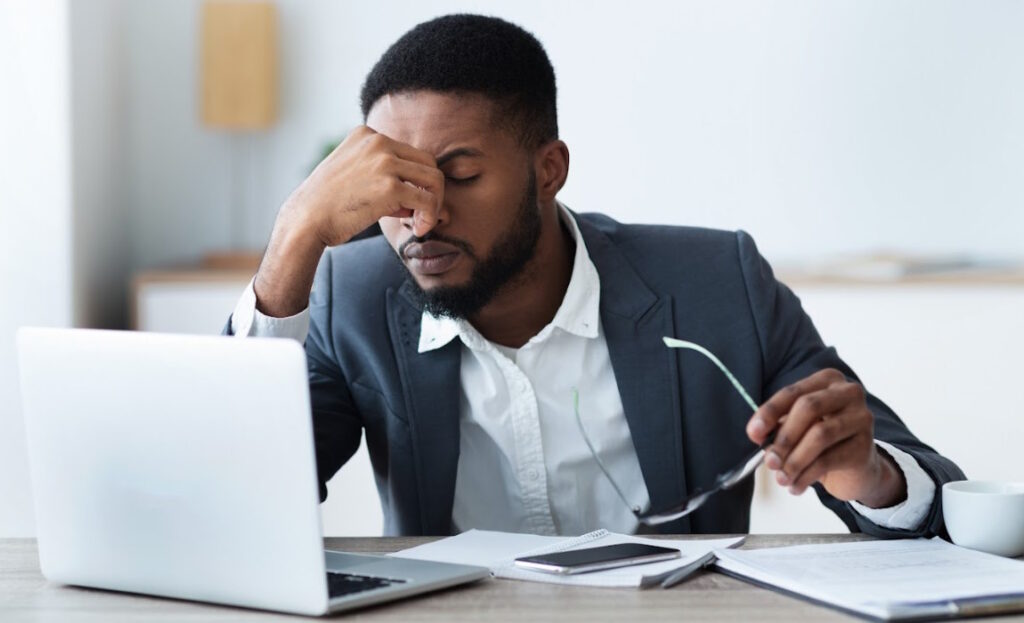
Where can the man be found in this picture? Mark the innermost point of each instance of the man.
(460, 340)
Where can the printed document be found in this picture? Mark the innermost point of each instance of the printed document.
(497, 550)
(887, 579)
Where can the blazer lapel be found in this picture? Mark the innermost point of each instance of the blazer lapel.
(646, 372)
(431, 386)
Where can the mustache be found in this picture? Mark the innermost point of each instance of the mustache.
(462, 245)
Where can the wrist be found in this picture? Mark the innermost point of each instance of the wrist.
(889, 485)
(285, 276)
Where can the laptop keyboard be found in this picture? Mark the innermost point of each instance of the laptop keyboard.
(340, 584)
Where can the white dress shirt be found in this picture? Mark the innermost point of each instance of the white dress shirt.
(523, 464)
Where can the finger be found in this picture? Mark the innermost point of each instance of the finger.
(837, 456)
(820, 437)
(805, 412)
(420, 202)
(427, 178)
(406, 151)
(424, 176)
(767, 415)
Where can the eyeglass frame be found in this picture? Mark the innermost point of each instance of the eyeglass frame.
(725, 480)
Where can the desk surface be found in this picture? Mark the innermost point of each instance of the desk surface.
(26, 596)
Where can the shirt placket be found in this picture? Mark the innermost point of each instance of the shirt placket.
(529, 448)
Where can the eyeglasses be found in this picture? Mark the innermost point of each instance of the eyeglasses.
(725, 480)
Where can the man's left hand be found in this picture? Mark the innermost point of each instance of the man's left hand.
(826, 435)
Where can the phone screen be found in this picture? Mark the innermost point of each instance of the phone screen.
(600, 555)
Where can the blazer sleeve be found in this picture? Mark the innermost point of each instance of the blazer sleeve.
(337, 427)
(791, 349)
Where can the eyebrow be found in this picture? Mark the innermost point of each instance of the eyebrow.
(457, 152)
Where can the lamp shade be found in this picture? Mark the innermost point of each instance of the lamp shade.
(239, 64)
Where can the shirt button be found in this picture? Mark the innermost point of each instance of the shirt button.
(532, 474)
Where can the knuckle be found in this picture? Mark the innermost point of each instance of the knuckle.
(425, 197)
(823, 433)
(358, 134)
(857, 391)
(817, 435)
(391, 185)
(810, 403)
(833, 374)
(381, 162)
(794, 466)
(783, 442)
(771, 410)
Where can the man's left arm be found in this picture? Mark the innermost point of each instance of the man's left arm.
(860, 458)
(920, 492)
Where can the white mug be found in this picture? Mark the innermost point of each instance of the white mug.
(985, 515)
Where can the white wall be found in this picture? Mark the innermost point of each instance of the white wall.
(101, 230)
(35, 214)
(64, 236)
(819, 127)
(944, 357)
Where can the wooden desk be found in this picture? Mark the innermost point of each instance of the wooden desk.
(26, 596)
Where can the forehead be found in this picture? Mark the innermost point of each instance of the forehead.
(435, 122)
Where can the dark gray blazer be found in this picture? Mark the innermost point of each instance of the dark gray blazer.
(687, 422)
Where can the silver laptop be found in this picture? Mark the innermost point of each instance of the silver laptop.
(184, 466)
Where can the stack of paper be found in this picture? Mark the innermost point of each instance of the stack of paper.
(909, 578)
(497, 550)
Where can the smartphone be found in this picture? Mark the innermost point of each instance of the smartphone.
(597, 558)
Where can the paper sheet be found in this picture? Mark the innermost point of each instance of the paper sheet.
(880, 577)
(497, 550)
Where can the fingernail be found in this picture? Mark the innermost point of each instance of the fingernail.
(773, 461)
(757, 427)
(795, 490)
(782, 478)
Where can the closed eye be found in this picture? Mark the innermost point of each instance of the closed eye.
(460, 181)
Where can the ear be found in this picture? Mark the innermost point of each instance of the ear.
(551, 164)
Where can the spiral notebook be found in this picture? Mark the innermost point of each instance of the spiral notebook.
(497, 550)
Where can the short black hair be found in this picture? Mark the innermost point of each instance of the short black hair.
(473, 54)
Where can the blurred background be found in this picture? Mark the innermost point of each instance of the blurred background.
(873, 148)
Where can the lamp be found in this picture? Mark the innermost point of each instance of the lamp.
(239, 84)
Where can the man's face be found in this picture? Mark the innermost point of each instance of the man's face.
(490, 223)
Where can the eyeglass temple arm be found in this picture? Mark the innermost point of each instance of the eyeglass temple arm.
(672, 342)
(593, 452)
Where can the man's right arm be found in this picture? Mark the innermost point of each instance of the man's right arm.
(247, 321)
(366, 178)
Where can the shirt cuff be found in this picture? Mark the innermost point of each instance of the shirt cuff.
(247, 321)
(908, 514)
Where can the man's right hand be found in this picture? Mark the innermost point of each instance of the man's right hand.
(367, 177)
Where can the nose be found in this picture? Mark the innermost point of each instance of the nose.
(443, 217)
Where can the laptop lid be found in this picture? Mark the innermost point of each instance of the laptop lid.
(174, 465)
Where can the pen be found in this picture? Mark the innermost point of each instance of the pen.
(683, 573)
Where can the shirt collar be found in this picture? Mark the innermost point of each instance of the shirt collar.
(579, 313)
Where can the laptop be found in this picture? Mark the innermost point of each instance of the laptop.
(183, 466)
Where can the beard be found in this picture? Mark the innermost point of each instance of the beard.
(510, 255)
